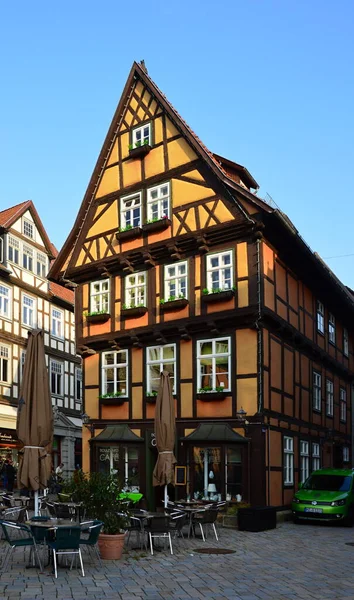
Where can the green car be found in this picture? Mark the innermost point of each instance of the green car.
(327, 495)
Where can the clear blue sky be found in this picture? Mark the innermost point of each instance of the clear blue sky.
(269, 84)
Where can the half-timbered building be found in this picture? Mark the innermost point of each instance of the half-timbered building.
(28, 300)
(180, 266)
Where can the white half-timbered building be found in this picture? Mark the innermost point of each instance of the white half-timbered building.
(28, 300)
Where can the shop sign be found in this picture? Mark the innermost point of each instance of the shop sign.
(8, 437)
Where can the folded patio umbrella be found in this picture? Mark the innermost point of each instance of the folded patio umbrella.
(165, 426)
(35, 418)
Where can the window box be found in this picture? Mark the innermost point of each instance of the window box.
(212, 396)
(139, 151)
(218, 296)
(113, 400)
(129, 234)
(151, 399)
(135, 311)
(177, 304)
(98, 318)
(156, 226)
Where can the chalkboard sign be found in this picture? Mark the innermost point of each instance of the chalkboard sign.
(180, 475)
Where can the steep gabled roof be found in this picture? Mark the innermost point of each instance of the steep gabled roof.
(214, 163)
(9, 216)
(60, 291)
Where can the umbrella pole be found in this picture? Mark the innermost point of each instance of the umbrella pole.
(36, 503)
(166, 497)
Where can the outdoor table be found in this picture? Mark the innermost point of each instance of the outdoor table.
(74, 508)
(51, 524)
(192, 510)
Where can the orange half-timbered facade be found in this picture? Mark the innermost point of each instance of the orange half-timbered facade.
(180, 266)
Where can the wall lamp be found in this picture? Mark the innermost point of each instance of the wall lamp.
(86, 421)
(241, 415)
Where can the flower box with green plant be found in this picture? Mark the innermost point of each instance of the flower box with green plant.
(128, 233)
(157, 224)
(217, 294)
(113, 398)
(98, 316)
(208, 393)
(133, 310)
(173, 302)
(150, 397)
(139, 148)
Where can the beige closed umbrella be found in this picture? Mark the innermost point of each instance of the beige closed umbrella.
(165, 435)
(35, 418)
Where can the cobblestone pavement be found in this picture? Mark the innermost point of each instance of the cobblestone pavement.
(291, 562)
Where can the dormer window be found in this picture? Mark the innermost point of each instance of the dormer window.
(141, 136)
(27, 258)
(14, 250)
(41, 264)
(27, 228)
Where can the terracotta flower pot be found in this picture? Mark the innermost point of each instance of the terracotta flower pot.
(111, 546)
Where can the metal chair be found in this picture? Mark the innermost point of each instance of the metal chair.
(205, 517)
(67, 541)
(18, 536)
(177, 522)
(15, 515)
(159, 527)
(90, 542)
(137, 526)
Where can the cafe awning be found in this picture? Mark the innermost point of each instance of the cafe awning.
(117, 433)
(214, 432)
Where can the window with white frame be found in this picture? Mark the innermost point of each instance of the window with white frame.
(13, 250)
(176, 280)
(329, 398)
(219, 271)
(27, 228)
(99, 296)
(78, 384)
(57, 323)
(288, 460)
(28, 310)
(343, 404)
(1, 249)
(41, 265)
(158, 202)
(57, 377)
(304, 460)
(331, 329)
(135, 290)
(214, 364)
(316, 462)
(4, 363)
(316, 390)
(141, 136)
(345, 342)
(5, 301)
(320, 317)
(345, 454)
(27, 258)
(130, 211)
(158, 359)
(115, 373)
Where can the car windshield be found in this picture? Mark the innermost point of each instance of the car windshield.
(329, 483)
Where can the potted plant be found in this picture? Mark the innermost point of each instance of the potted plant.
(217, 294)
(100, 496)
(133, 310)
(151, 397)
(128, 233)
(113, 398)
(173, 302)
(208, 393)
(98, 316)
(139, 149)
(157, 224)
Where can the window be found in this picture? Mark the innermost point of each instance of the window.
(1, 249)
(329, 398)
(331, 329)
(27, 258)
(99, 296)
(123, 460)
(14, 250)
(28, 311)
(316, 390)
(56, 377)
(130, 211)
(158, 202)
(5, 301)
(78, 384)
(135, 290)
(115, 373)
(220, 271)
(320, 317)
(345, 454)
(214, 364)
(345, 342)
(27, 228)
(176, 280)
(316, 463)
(41, 267)
(4, 364)
(288, 460)
(160, 358)
(57, 323)
(343, 404)
(141, 135)
(304, 461)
